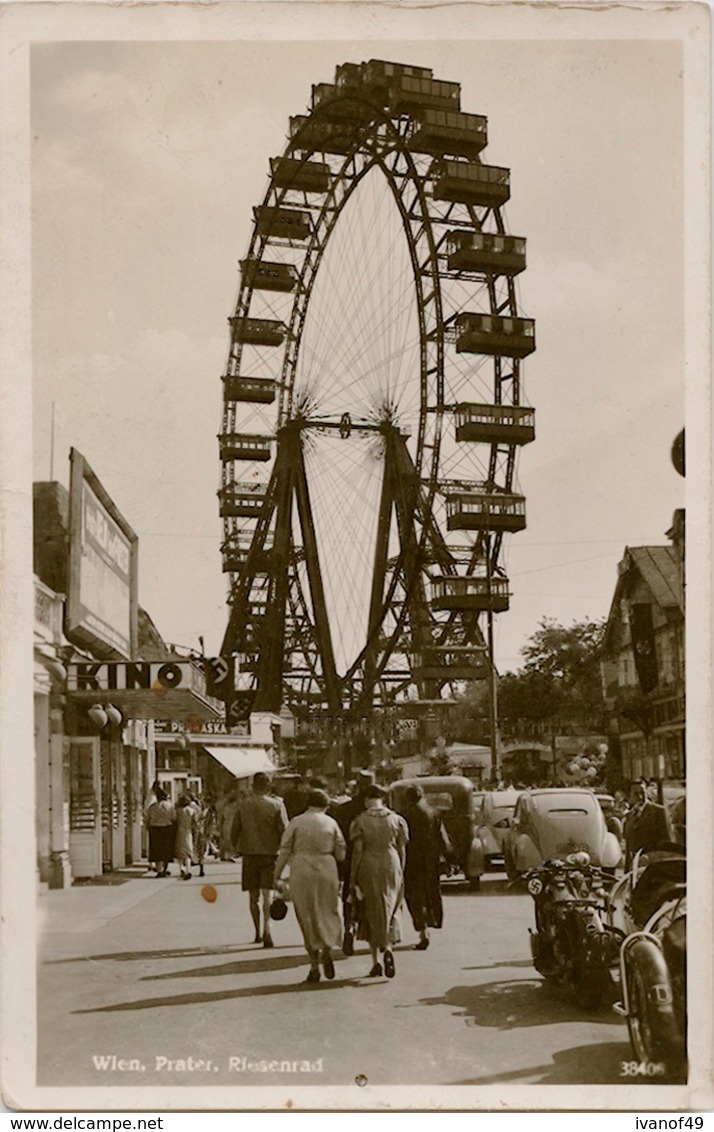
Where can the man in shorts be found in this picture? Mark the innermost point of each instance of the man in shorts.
(258, 827)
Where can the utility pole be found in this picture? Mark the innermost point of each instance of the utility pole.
(493, 703)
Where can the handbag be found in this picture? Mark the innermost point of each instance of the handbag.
(279, 904)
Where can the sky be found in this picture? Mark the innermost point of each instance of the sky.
(147, 159)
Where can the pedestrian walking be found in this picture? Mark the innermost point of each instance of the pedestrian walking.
(379, 838)
(258, 826)
(295, 798)
(312, 846)
(426, 848)
(203, 831)
(226, 811)
(647, 824)
(161, 822)
(151, 797)
(186, 812)
(345, 814)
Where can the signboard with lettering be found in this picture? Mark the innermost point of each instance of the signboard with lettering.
(101, 611)
(406, 728)
(167, 728)
(127, 676)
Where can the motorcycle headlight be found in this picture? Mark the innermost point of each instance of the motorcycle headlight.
(535, 886)
(582, 859)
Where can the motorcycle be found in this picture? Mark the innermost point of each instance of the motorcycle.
(572, 942)
(653, 958)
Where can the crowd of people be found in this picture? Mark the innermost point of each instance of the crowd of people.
(185, 832)
(353, 864)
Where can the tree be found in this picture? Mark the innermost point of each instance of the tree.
(468, 720)
(527, 700)
(440, 763)
(559, 682)
(570, 657)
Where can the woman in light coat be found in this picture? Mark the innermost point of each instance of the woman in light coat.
(379, 839)
(312, 845)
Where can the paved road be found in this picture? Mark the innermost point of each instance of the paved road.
(149, 970)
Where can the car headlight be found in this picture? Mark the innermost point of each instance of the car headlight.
(535, 886)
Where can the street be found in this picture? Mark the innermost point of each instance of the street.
(142, 981)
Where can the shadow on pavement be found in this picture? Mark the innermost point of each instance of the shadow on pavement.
(161, 953)
(490, 886)
(225, 996)
(595, 1064)
(517, 1003)
(503, 963)
(108, 880)
(273, 962)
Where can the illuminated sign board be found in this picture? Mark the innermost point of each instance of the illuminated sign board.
(101, 609)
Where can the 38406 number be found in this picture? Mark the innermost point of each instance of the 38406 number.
(642, 1069)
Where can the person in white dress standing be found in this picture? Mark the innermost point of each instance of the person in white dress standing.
(312, 845)
(186, 812)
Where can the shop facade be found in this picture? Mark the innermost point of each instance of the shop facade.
(102, 676)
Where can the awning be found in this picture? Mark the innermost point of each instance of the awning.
(242, 762)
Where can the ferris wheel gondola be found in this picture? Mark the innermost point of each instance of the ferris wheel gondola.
(373, 402)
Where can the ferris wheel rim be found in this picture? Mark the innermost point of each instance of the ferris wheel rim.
(275, 196)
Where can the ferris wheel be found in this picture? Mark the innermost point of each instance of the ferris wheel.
(373, 402)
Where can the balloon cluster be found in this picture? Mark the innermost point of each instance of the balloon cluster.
(583, 770)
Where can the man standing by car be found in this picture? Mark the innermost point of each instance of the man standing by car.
(258, 827)
(646, 825)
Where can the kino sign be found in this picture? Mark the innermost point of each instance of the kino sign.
(126, 676)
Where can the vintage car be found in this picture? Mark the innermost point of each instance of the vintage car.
(492, 824)
(613, 821)
(455, 799)
(552, 823)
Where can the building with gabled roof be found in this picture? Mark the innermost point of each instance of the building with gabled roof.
(643, 661)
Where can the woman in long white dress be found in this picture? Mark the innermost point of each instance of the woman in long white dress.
(312, 845)
(186, 812)
(379, 838)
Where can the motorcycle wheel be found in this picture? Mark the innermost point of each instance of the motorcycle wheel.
(652, 1025)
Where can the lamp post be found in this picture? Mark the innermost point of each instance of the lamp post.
(108, 719)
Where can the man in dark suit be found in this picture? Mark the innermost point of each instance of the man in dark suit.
(647, 824)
